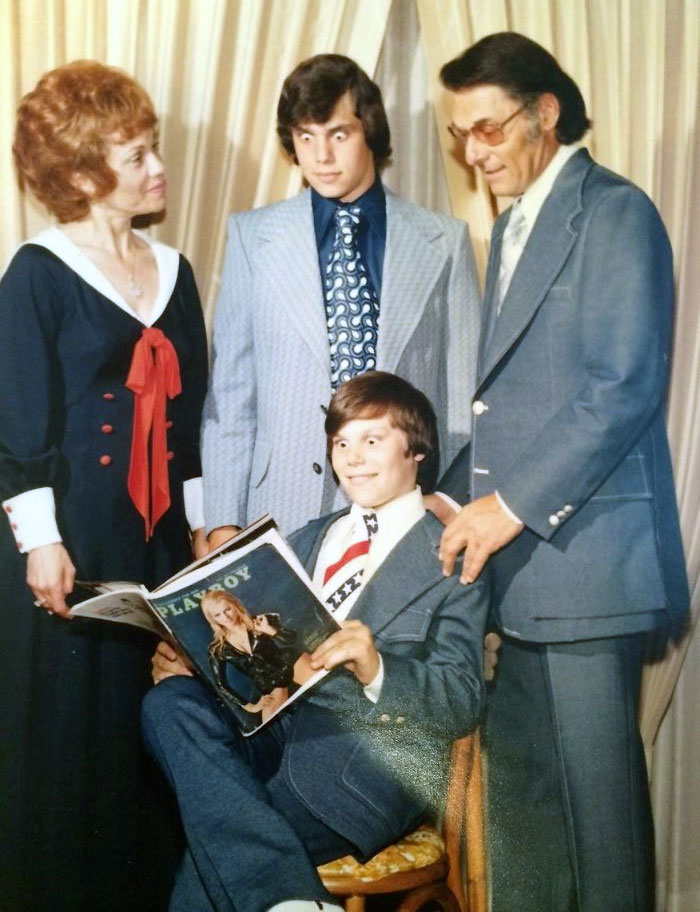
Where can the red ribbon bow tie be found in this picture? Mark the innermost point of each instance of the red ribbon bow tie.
(154, 375)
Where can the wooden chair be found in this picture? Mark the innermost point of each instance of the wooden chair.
(426, 866)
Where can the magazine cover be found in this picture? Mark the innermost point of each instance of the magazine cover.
(247, 617)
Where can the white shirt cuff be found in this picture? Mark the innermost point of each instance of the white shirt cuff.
(373, 690)
(193, 493)
(32, 518)
(506, 509)
(448, 500)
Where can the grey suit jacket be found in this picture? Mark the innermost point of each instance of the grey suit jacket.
(263, 441)
(348, 758)
(569, 416)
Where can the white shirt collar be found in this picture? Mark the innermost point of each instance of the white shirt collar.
(167, 260)
(394, 519)
(533, 198)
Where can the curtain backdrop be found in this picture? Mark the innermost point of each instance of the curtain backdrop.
(214, 69)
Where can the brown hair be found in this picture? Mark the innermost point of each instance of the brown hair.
(218, 596)
(62, 129)
(377, 393)
(312, 90)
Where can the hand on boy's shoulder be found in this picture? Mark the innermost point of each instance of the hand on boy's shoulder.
(440, 507)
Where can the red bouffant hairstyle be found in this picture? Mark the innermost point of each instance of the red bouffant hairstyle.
(62, 129)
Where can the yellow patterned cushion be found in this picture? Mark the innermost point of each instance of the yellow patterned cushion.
(417, 850)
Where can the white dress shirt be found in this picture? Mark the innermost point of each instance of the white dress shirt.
(394, 519)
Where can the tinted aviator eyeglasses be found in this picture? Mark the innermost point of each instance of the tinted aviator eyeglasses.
(485, 131)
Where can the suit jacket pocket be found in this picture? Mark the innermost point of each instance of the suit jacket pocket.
(409, 626)
(629, 481)
(261, 462)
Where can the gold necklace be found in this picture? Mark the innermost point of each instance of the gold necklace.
(135, 288)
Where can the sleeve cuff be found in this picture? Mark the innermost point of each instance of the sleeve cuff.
(193, 494)
(374, 688)
(506, 509)
(448, 500)
(32, 518)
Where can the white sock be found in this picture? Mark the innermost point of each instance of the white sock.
(305, 905)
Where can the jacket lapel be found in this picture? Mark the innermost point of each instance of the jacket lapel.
(413, 263)
(545, 253)
(294, 272)
(307, 541)
(412, 567)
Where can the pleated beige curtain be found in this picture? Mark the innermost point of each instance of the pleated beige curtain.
(213, 68)
(638, 67)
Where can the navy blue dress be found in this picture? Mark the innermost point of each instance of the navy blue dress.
(85, 823)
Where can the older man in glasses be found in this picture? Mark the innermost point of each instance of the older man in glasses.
(570, 486)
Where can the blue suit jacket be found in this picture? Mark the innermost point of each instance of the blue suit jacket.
(569, 417)
(347, 758)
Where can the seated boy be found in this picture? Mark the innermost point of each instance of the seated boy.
(360, 758)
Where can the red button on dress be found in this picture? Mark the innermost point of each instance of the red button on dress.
(108, 395)
(105, 460)
(107, 429)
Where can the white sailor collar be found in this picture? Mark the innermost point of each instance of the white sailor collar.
(167, 261)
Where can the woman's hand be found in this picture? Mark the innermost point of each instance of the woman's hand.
(166, 661)
(200, 545)
(353, 648)
(50, 576)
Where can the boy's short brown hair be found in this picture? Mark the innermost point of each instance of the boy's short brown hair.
(377, 393)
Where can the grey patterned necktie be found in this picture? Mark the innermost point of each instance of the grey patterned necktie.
(514, 238)
(352, 306)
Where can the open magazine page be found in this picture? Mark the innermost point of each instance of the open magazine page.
(123, 603)
(248, 618)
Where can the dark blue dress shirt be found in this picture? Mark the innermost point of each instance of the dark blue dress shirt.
(371, 236)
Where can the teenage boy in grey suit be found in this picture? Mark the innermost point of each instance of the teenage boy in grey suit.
(572, 498)
(358, 759)
(271, 368)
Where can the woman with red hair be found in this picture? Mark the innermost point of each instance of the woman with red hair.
(103, 369)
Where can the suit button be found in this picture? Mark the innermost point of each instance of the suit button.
(107, 429)
(400, 720)
(317, 468)
(479, 407)
(554, 520)
(568, 508)
(108, 396)
(384, 718)
(561, 514)
(105, 460)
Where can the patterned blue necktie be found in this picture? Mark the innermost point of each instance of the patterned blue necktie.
(352, 306)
